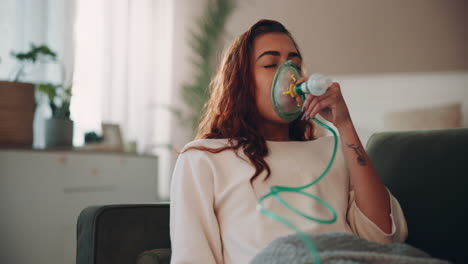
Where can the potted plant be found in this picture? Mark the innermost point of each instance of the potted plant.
(58, 128)
(205, 40)
(17, 103)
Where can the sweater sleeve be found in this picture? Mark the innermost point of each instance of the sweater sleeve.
(362, 226)
(194, 229)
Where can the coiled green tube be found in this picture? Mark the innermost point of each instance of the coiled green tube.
(275, 190)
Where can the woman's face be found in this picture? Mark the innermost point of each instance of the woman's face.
(269, 50)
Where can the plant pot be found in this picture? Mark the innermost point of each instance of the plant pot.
(16, 114)
(58, 133)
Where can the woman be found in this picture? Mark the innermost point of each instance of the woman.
(243, 148)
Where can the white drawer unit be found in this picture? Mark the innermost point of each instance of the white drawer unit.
(43, 192)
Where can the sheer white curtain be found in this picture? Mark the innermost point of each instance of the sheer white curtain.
(122, 72)
(23, 22)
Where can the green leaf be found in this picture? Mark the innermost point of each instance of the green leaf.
(32, 56)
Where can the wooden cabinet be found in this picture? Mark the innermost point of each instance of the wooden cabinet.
(43, 192)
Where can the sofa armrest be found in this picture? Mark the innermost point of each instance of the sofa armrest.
(119, 233)
(426, 171)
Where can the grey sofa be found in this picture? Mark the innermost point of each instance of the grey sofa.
(427, 171)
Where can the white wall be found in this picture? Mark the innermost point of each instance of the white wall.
(370, 96)
(186, 13)
(368, 36)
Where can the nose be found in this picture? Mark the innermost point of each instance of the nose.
(284, 59)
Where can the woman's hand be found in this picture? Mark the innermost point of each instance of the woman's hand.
(330, 105)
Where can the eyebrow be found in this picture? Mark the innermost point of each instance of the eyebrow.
(276, 53)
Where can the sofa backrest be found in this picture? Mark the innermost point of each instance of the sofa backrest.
(118, 234)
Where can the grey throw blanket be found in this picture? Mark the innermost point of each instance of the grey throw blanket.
(341, 248)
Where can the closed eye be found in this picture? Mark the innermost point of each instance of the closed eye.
(299, 68)
(274, 65)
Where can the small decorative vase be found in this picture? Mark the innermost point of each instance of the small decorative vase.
(58, 133)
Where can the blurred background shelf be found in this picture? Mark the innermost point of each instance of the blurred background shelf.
(43, 191)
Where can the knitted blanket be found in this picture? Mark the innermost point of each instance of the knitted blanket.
(341, 248)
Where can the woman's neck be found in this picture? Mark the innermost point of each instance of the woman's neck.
(275, 131)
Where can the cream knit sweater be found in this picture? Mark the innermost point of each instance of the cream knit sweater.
(213, 215)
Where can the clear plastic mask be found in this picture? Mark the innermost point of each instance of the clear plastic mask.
(283, 94)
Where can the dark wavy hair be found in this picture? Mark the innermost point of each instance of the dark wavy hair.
(232, 113)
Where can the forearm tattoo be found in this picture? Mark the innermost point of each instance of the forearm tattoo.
(360, 154)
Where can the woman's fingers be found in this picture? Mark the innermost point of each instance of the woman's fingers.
(298, 98)
(309, 98)
(306, 107)
(309, 105)
(323, 105)
(317, 105)
(300, 80)
(307, 102)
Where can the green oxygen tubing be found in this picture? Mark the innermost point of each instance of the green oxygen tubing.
(283, 96)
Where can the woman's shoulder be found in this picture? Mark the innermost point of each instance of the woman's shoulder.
(211, 143)
(197, 152)
(214, 143)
